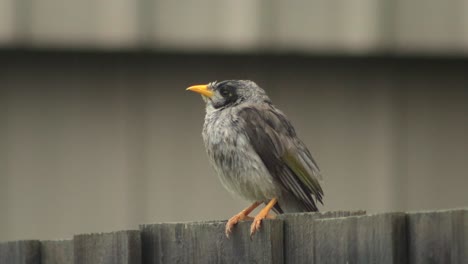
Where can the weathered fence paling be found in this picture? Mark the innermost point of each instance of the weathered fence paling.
(57, 252)
(330, 237)
(362, 239)
(120, 247)
(438, 237)
(298, 231)
(20, 252)
(205, 242)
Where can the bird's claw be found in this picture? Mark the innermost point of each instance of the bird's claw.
(256, 224)
(233, 221)
(229, 225)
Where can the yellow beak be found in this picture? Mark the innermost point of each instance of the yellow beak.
(201, 89)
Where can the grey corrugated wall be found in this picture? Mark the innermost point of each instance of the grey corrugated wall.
(347, 26)
(96, 142)
(103, 141)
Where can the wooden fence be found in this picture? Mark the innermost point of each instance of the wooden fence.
(329, 237)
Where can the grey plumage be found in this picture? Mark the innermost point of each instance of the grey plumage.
(255, 150)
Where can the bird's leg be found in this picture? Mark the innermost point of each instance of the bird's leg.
(270, 216)
(244, 214)
(262, 215)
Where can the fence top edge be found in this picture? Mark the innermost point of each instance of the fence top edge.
(2, 243)
(460, 209)
(129, 231)
(323, 213)
(202, 222)
(57, 240)
(205, 223)
(395, 214)
(375, 215)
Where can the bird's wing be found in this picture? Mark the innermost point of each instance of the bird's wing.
(287, 159)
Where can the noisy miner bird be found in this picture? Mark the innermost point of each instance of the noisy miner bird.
(256, 152)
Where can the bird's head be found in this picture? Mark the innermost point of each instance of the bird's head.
(218, 95)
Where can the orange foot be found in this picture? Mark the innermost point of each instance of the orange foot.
(243, 215)
(234, 220)
(264, 213)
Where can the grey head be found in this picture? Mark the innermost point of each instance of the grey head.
(220, 95)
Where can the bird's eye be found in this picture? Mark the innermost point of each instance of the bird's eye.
(228, 95)
(225, 92)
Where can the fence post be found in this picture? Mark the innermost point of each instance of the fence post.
(20, 252)
(362, 239)
(120, 247)
(299, 231)
(57, 252)
(205, 242)
(382, 238)
(438, 237)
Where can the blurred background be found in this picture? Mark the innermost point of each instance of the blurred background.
(97, 132)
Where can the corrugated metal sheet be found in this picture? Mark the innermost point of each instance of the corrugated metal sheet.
(349, 26)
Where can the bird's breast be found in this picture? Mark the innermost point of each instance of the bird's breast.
(238, 166)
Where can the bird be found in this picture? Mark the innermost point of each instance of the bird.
(256, 153)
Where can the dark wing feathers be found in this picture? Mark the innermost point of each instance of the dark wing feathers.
(285, 156)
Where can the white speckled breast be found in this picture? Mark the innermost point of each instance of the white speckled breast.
(238, 166)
